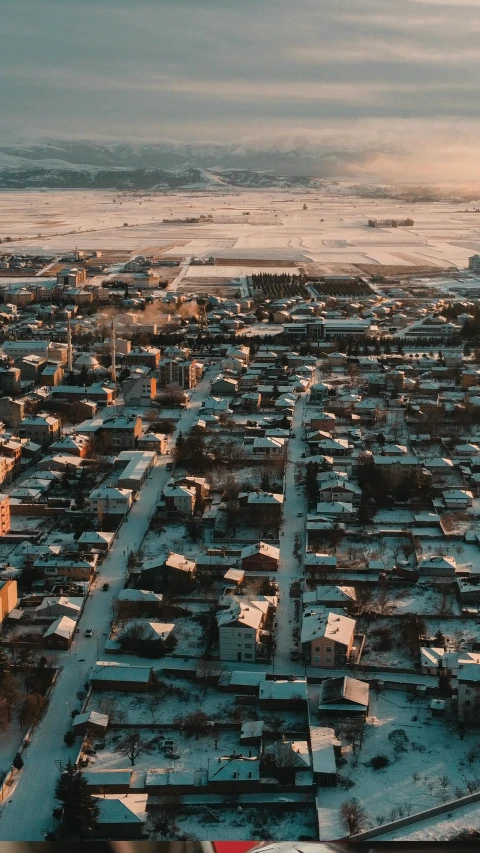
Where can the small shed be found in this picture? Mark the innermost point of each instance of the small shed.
(91, 721)
(325, 747)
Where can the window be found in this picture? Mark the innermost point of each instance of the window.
(328, 649)
(328, 660)
(316, 660)
(247, 655)
(247, 636)
(316, 648)
(248, 645)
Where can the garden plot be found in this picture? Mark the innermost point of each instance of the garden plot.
(171, 537)
(247, 824)
(386, 643)
(174, 697)
(423, 600)
(194, 753)
(428, 763)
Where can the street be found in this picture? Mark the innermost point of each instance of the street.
(27, 815)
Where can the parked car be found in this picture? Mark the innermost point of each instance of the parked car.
(89, 632)
(169, 466)
(105, 587)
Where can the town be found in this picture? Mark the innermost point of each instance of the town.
(239, 530)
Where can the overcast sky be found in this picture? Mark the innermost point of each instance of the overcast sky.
(224, 69)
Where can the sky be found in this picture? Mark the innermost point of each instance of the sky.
(401, 76)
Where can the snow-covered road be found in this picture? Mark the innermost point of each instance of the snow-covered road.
(27, 814)
(293, 526)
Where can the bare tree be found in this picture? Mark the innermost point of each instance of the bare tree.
(132, 746)
(353, 815)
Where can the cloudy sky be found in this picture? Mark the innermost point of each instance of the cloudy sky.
(400, 75)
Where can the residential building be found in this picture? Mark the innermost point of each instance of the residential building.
(43, 429)
(327, 638)
(343, 697)
(8, 598)
(239, 628)
(4, 514)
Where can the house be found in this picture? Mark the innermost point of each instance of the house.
(337, 510)
(343, 697)
(234, 774)
(43, 429)
(224, 385)
(54, 608)
(438, 661)
(331, 596)
(76, 445)
(437, 565)
(139, 390)
(120, 818)
(339, 490)
(260, 556)
(72, 567)
(327, 637)
(4, 514)
(277, 694)
(109, 675)
(267, 446)
(181, 499)
(314, 563)
(96, 540)
(284, 759)
(8, 597)
(121, 433)
(200, 484)
(60, 634)
(138, 464)
(147, 356)
(172, 574)
(239, 628)
(110, 501)
(92, 722)
(469, 589)
(325, 748)
(458, 499)
(139, 602)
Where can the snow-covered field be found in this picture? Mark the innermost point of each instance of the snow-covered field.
(433, 769)
(331, 230)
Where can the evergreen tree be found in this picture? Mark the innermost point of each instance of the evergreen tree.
(80, 809)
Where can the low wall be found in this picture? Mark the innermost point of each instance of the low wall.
(417, 818)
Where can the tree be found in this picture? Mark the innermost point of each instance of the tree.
(399, 741)
(132, 746)
(30, 708)
(353, 815)
(80, 809)
(69, 738)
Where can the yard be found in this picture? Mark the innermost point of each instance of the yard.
(427, 764)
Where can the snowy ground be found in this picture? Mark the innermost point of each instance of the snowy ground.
(433, 769)
(249, 824)
(331, 231)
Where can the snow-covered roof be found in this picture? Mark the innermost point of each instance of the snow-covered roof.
(63, 627)
(263, 548)
(322, 742)
(293, 690)
(332, 626)
(344, 689)
(112, 671)
(112, 810)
